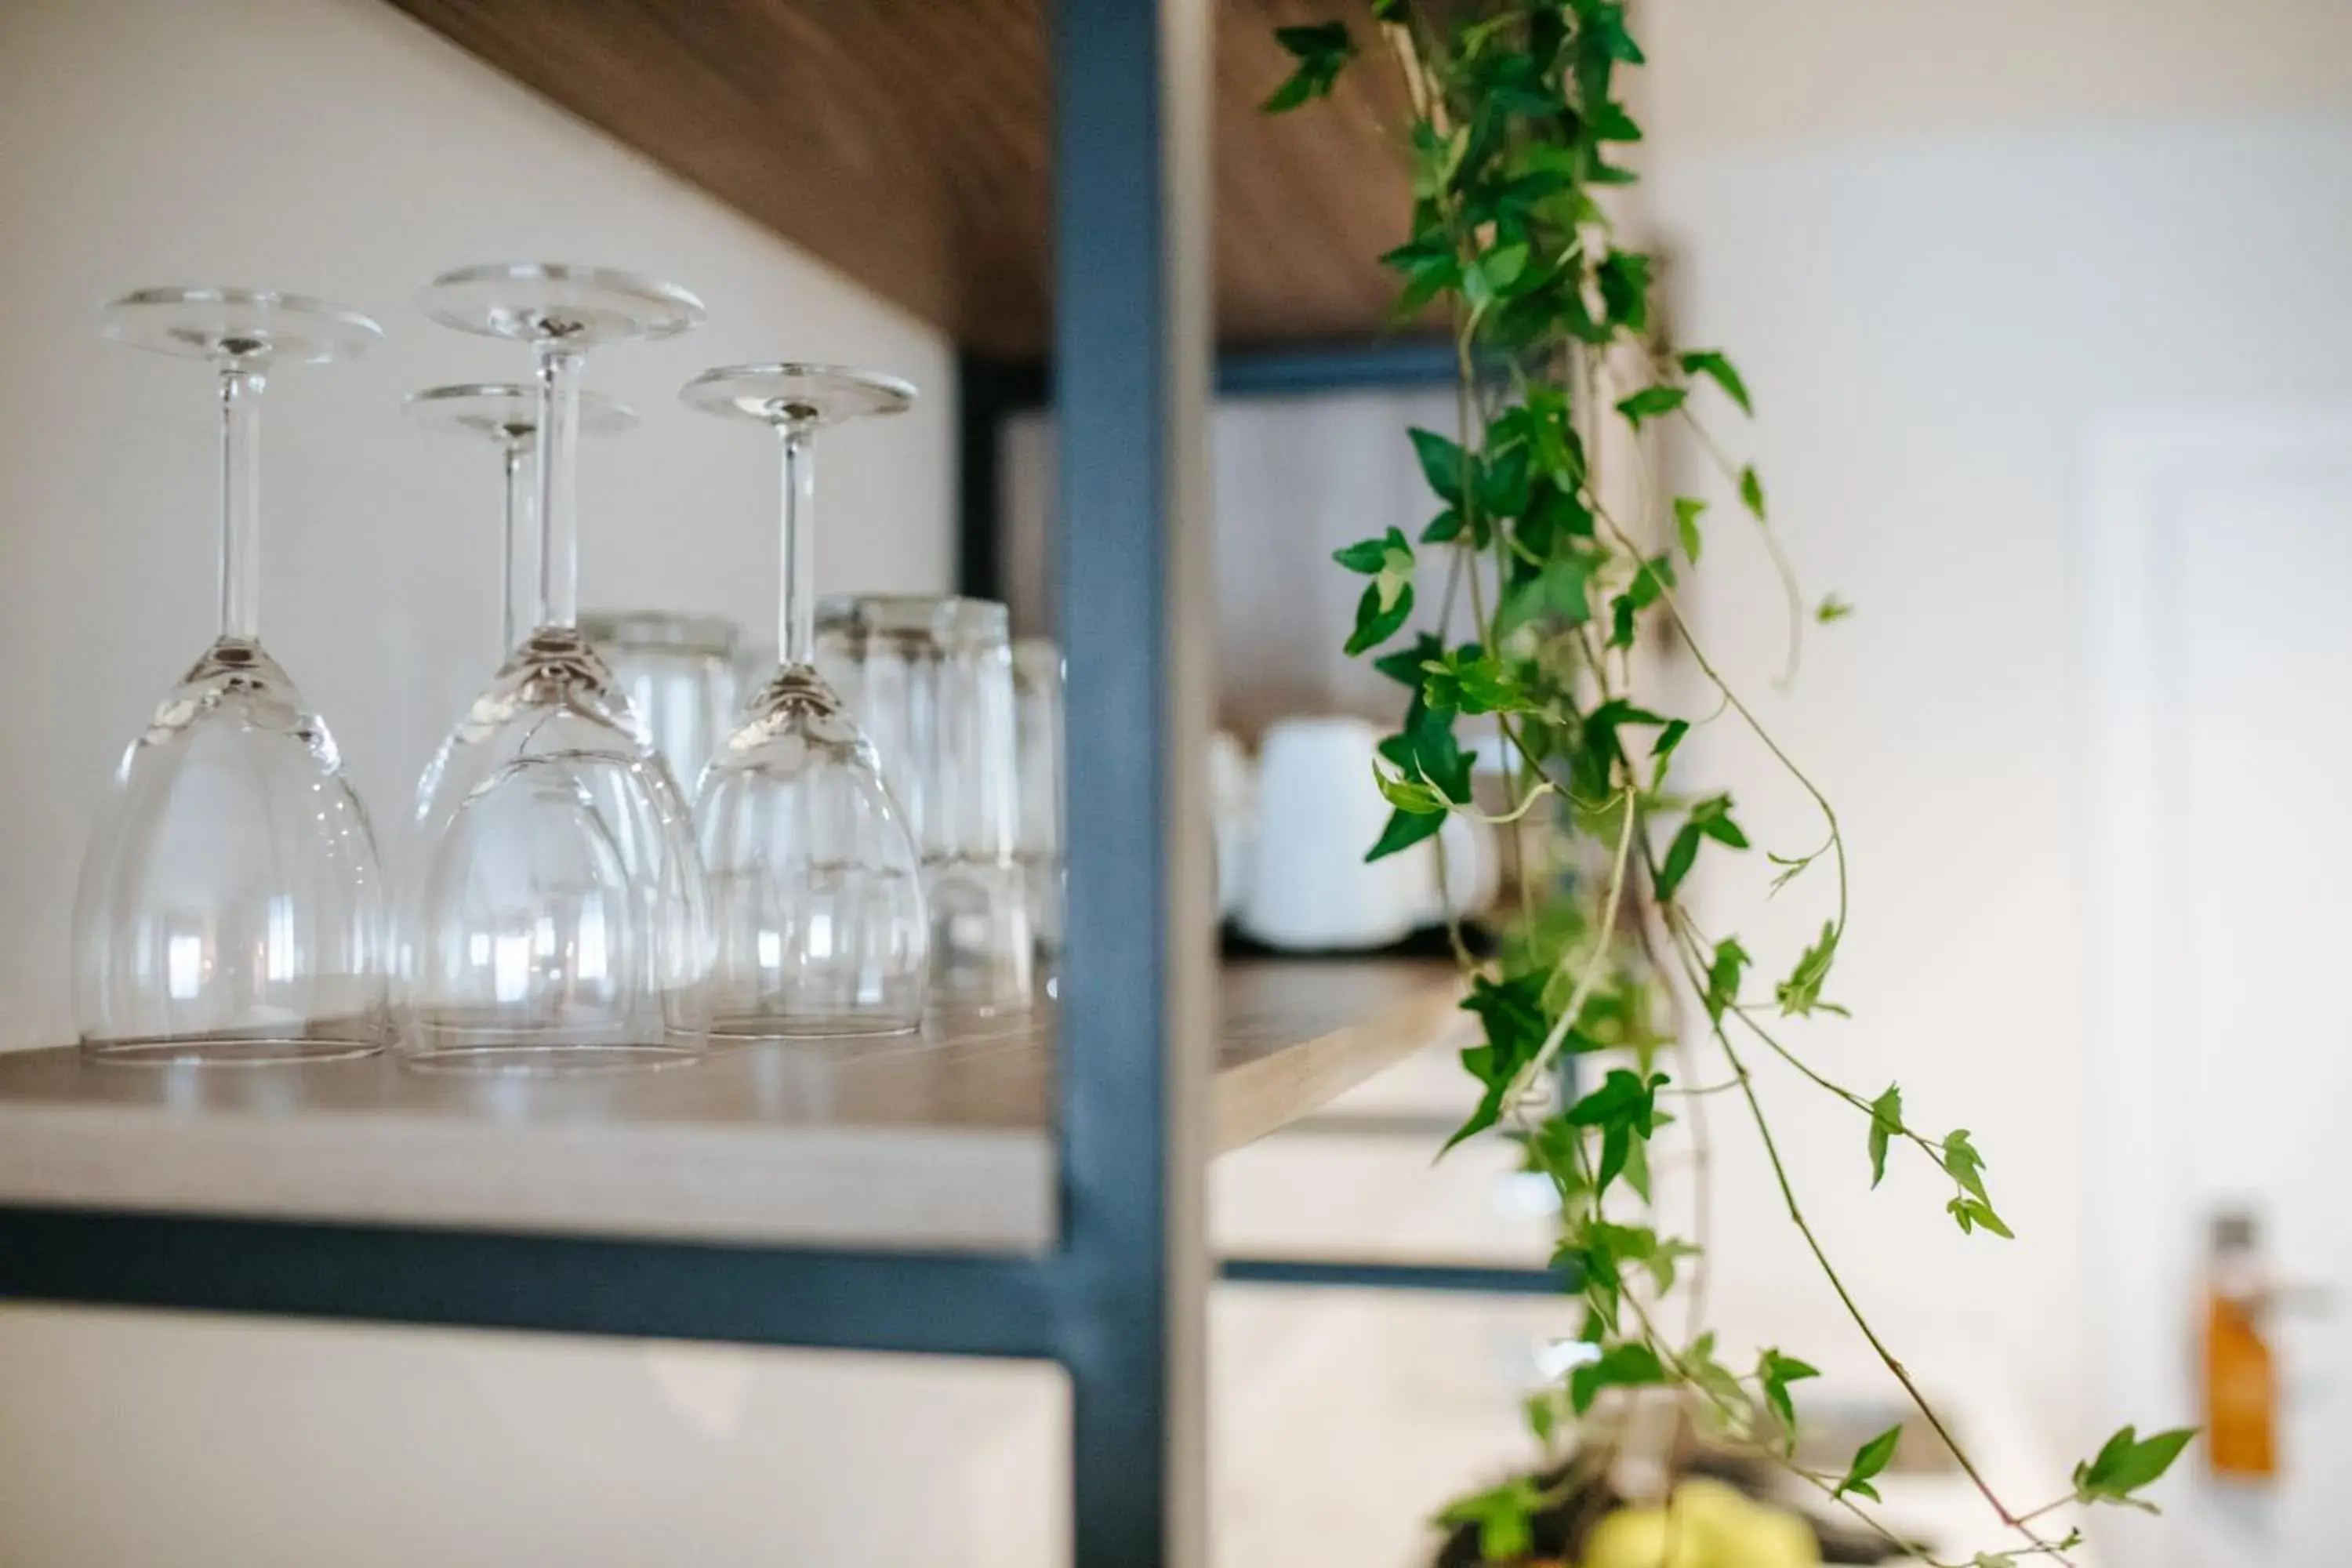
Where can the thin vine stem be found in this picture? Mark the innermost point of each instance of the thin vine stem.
(1755, 725)
(1830, 1271)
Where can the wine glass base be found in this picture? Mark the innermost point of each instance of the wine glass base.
(507, 413)
(227, 1051)
(535, 302)
(751, 1027)
(253, 327)
(802, 393)
(516, 1058)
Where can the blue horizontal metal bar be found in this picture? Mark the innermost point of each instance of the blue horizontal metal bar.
(994, 389)
(1465, 1279)
(1367, 365)
(921, 1303)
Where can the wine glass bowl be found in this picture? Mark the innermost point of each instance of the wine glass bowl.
(555, 920)
(819, 921)
(816, 892)
(545, 922)
(230, 908)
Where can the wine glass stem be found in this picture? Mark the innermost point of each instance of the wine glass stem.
(796, 604)
(240, 504)
(557, 488)
(519, 590)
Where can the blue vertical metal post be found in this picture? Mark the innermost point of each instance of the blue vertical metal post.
(1129, 393)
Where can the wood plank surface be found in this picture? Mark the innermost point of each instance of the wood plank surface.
(907, 143)
(923, 1142)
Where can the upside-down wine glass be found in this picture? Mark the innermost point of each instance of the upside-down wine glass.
(554, 921)
(506, 415)
(230, 908)
(816, 890)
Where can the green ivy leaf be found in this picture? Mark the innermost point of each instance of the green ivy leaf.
(1379, 619)
(1972, 1210)
(1774, 1374)
(1974, 1214)
(1711, 363)
(1886, 1123)
(1663, 751)
(1504, 265)
(1473, 680)
(1619, 1367)
(1709, 819)
(1516, 1023)
(1723, 972)
(1389, 553)
(1408, 794)
(1832, 609)
(1649, 403)
(1321, 51)
(1623, 1108)
(1751, 492)
(1870, 1460)
(1624, 278)
(1426, 747)
(1542, 1409)
(1405, 829)
(1404, 665)
(1651, 582)
(1441, 464)
(1606, 36)
(1503, 1518)
(1609, 122)
(1368, 556)
(1623, 1096)
(1801, 993)
(1682, 854)
(1686, 515)
(2128, 1462)
(1965, 1165)
(1621, 628)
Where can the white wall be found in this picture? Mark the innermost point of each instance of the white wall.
(335, 147)
(1936, 289)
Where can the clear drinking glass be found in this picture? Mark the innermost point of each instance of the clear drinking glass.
(1038, 754)
(816, 888)
(506, 415)
(554, 921)
(930, 680)
(683, 676)
(230, 908)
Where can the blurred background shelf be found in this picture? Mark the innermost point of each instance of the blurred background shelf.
(935, 1145)
(908, 143)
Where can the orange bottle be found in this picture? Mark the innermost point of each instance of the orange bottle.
(2240, 1382)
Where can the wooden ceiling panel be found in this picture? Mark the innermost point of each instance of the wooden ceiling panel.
(908, 143)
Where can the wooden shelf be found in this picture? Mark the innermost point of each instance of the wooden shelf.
(935, 1145)
(907, 143)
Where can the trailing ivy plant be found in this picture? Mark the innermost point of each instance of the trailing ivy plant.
(1514, 138)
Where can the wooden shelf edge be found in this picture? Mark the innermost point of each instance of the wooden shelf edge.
(943, 1147)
